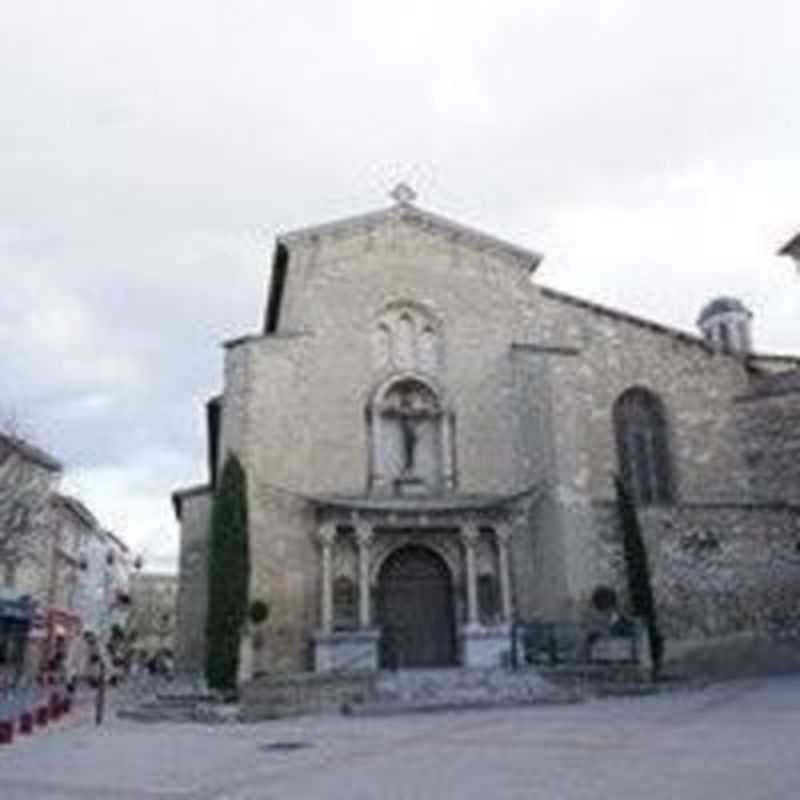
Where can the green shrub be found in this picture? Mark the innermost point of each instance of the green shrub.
(258, 612)
(228, 576)
(637, 568)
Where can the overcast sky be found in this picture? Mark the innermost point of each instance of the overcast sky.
(150, 151)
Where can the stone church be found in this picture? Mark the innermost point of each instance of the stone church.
(430, 437)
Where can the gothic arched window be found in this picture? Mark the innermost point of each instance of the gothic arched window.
(640, 425)
(408, 337)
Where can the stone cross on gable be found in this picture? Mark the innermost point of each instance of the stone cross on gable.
(403, 193)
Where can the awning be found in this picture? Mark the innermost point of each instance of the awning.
(20, 610)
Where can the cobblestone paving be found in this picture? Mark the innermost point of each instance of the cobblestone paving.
(738, 740)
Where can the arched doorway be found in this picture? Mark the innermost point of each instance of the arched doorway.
(415, 610)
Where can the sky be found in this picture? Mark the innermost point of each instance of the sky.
(151, 151)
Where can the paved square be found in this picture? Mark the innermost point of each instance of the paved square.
(738, 740)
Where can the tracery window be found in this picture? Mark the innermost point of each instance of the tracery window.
(407, 337)
(640, 426)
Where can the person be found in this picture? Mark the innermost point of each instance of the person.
(75, 663)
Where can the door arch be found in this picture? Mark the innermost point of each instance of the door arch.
(416, 610)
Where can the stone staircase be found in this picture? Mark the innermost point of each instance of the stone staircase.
(384, 693)
(449, 689)
(207, 709)
(182, 700)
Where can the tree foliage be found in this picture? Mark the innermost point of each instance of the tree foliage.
(637, 568)
(27, 478)
(228, 576)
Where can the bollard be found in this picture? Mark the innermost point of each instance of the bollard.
(26, 722)
(55, 707)
(6, 731)
(41, 716)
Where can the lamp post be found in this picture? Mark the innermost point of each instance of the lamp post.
(102, 644)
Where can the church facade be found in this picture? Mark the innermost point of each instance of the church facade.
(429, 437)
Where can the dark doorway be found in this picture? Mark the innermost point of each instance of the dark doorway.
(415, 608)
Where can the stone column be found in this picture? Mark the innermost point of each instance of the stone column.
(470, 535)
(364, 537)
(502, 534)
(446, 450)
(327, 537)
(378, 455)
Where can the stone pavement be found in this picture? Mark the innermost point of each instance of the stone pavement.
(734, 741)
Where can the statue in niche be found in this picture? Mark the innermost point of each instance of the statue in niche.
(411, 411)
(408, 428)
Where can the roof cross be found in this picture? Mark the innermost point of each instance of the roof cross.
(403, 193)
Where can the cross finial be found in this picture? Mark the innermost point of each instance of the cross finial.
(403, 193)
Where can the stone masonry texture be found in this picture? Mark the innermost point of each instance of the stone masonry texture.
(532, 376)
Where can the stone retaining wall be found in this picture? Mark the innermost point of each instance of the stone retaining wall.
(718, 569)
(305, 693)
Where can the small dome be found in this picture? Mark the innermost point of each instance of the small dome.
(722, 305)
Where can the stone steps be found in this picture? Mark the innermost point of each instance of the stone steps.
(443, 689)
(155, 711)
(384, 693)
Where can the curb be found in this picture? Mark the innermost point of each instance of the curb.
(33, 713)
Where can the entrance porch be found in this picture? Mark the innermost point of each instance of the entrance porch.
(408, 583)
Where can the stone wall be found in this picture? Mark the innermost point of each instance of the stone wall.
(770, 427)
(297, 416)
(697, 387)
(718, 569)
(192, 597)
(532, 377)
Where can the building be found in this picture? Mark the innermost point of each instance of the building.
(28, 477)
(152, 615)
(429, 437)
(70, 524)
(104, 591)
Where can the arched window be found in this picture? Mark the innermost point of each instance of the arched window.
(725, 337)
(408, 337)
(383, 346)
(405, 343)
(640, 426)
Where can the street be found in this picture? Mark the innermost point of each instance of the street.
(735, 740)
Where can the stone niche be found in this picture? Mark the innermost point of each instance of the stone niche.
(410, 438)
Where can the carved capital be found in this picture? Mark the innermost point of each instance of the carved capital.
(326, 534)
(470, 533)
(365, 533)
(503, 532)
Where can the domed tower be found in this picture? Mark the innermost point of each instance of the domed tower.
(726, 325)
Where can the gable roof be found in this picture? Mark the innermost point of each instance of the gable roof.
(514, 255)
(419, 217)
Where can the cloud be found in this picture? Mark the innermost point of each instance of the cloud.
(149, 153)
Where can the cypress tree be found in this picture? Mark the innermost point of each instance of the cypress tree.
(228, 576)
(637, 568)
